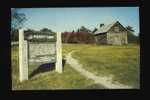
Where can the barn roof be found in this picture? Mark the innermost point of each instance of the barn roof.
(105, 28)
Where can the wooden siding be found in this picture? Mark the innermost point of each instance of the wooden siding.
(101, 39)
(116, 35)
(117, 38)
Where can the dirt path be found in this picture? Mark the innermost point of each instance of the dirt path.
(105, 81)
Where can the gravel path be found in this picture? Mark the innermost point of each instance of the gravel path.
(105, 81)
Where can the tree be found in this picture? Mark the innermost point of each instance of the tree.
(14, 35)
(102, 24)
(95, 29)
(131, 37)
(17, 19)
(81, 35)
(130, 28)
(46, 30)
(84, 29)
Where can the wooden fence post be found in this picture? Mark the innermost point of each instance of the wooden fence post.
(59, 67)
(23, 57)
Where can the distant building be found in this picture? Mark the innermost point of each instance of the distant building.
(114, 34)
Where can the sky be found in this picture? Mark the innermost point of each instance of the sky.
(68, 19)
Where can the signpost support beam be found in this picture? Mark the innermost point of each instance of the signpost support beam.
(59, 67)
(23, 58)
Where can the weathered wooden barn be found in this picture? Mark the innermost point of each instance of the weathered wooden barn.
(114, 34)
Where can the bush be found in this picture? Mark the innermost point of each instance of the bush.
(78, 37)
(14, 35)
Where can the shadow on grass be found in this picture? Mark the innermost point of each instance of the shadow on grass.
(45, 68)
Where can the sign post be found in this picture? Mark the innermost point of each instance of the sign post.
(38, 48)
(23, 57)
(59, 67)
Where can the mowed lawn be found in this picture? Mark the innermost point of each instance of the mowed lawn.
(50, 80)
(121, 62)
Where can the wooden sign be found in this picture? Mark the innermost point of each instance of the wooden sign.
(39, 48)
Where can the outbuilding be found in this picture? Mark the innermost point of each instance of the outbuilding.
(114, 34)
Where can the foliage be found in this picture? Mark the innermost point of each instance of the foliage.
(95, 29)
(46, 30)
(84, 29)
(132, 38)
(77, 37)
(82, 35)
(102, 24)
(17, 19)
(14, 35)
(130, 28)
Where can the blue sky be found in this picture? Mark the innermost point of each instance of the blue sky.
(68, 19)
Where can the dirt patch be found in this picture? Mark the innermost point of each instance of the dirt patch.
(104, 81)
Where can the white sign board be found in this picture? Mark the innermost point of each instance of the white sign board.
(39, 50)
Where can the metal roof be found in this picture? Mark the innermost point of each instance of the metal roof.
(105, 28)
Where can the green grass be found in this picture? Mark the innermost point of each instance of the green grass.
(120, 61)
(69, 79)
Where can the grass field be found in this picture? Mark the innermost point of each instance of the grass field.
(69, 79)
(120, 61)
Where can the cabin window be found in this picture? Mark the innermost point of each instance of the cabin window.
(116, 29)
